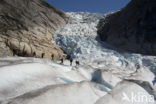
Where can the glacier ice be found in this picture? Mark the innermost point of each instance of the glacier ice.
(127, 92)
(38, 81)
(104, 73)
(79, 39)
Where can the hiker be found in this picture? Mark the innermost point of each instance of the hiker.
(25, 53)
(137, 66)
(14, 51)
(71, 60)
(52, 57)
(43, 54)
(68, 57)
(62, 60)
(34, 54)
(77, 63)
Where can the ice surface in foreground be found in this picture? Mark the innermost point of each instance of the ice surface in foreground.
(38, 81)
(20, 76)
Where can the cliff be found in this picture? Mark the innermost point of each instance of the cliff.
(133, 28)
(28, 26)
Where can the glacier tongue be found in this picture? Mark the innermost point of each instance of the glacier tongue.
(80, 40)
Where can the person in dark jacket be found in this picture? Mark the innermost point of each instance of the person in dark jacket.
(52, 57)
(62, 60)
(43, 54)
(34, 54)
(77, 63)
(71, 61)
(14, 51)
(137, 67)
(68, 57)
(25, 53)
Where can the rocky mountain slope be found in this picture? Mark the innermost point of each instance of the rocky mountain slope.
(133, 28)
(28, 26)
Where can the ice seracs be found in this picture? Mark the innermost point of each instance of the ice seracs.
(79, 39)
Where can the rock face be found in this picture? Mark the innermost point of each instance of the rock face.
(28, 26)
(133, 28)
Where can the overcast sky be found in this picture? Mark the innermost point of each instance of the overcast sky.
(100, 6)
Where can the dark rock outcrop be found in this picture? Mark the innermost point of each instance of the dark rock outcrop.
(28, 26)
(133, 28)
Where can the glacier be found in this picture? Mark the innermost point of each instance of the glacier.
(105, 74)
(79, 39)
